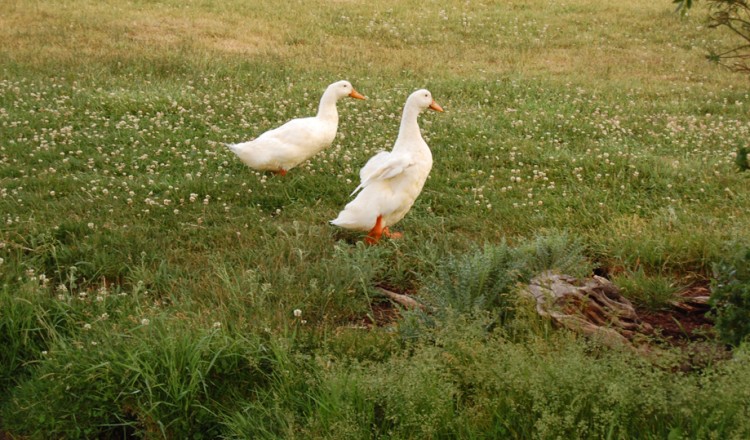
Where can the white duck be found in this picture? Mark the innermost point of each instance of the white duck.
(391, 181)
(285, 147)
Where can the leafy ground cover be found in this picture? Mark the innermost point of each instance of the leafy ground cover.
(149, 280)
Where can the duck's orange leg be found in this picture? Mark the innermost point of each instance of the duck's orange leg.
(280, 171)
(395, 235)
(375, 233)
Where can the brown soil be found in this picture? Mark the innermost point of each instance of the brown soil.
(384, 313)
(676, 325)
(686, 320)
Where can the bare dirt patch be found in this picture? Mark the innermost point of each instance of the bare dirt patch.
(384, 313)
(686, 320)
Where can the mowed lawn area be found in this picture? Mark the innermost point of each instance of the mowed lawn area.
(153, 286)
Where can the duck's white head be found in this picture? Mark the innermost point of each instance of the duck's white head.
(344, 88)
(423, 100)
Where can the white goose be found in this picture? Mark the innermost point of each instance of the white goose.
(285, 147)
(391, 181)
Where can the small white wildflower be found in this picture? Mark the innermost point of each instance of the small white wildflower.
(91, 225)
(216, 324)
(44, 352)
(87, 326)
(105, 315)
(145, 321)
(297, 313)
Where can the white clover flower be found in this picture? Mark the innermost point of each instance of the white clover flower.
(216, 324)
(87, 326)
(297, 313)
(145, 321)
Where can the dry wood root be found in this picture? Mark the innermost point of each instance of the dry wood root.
(405, 300)
(592, 306)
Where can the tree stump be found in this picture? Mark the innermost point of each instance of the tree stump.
(592, 306)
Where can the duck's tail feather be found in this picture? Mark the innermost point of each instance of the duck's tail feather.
(232, 147)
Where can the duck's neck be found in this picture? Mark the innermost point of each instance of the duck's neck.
(327, 108)
(409, 130)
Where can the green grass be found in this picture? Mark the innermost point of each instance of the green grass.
(655, 291)
(148, 279)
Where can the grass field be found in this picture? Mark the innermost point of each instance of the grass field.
(149, 279)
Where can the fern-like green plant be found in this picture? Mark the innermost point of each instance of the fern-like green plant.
(557, 251)
(484, 279)
(481, 280)
(730, 299)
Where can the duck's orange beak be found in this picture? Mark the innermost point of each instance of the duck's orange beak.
(356, 94)
(435, 106)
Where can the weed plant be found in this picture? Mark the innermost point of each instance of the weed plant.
(655, 292)
(730, 298)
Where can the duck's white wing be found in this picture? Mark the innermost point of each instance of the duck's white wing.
(383, 166)
(372, 165)
(295, 132)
